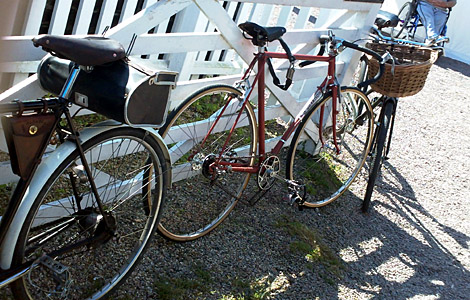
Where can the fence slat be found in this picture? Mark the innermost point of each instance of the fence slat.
(128, 9)
(33, 19)
(60, 17)
(106, 16)
(84, 15)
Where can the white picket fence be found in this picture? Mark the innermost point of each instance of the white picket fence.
(197, 38)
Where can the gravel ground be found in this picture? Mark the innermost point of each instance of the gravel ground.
(414, 244)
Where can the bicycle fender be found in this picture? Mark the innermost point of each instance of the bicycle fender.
(44, 172)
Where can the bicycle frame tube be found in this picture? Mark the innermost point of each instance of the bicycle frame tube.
(329, 83)
(260, 60)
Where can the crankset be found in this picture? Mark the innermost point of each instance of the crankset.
(268, 172)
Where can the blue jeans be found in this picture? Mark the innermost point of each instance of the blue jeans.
(433, 18)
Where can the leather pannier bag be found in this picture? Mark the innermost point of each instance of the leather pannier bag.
(120, 90)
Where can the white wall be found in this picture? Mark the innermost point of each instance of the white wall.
(458, 24)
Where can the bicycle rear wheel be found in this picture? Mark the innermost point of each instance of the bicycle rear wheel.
(201, 197)
(325, 173)
(79, 256)
(404, 16)
(379, 151)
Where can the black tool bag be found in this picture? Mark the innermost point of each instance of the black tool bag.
(120, 90)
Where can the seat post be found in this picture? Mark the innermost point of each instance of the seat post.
(67, 89)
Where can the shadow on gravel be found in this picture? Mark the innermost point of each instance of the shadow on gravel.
(455, 65)
(272, 251)
(409, 259)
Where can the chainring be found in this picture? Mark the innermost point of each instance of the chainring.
(268, 170)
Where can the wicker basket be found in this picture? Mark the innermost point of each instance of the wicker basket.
(412, 65)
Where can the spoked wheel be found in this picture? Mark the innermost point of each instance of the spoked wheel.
(325, 173)
(379, 151)
(404, 16)
(203, 191)
(81, 251)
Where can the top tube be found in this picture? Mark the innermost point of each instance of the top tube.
(408, 42)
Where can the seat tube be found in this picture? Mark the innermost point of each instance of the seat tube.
(261, 100)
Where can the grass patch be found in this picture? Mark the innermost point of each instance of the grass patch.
(248, 290)
(181, 288)
(321, 172)
(309, 244)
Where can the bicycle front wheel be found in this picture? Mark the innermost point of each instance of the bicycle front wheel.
(81, 251)
(197, 133)
(325, 173)
(379, 151)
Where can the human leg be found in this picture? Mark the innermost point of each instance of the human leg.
(427, 15)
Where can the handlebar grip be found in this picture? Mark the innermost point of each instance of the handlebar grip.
(373, 54)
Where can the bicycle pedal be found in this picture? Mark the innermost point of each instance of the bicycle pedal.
(59, 273)
(53, 265)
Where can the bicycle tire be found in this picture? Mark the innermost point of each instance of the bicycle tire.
(378, 152)
(404, 16)
(196, 204)
(118, 158)
(326, 174)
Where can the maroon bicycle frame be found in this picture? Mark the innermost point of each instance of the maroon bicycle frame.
(329, 83)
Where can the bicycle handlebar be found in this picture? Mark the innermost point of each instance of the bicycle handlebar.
(372, 53)
(337, 43)
(309, 62)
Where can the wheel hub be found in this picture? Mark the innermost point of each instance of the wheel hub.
(101, 227)
(207, 170)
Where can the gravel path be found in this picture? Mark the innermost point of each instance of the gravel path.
(414, 244)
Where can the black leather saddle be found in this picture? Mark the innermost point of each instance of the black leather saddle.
(386, 19)
(88, 51)
(259, 34)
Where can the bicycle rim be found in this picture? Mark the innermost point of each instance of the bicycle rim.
(404, 16)
(119, 160)
(325, 173)
(378, 153)
(200, 199)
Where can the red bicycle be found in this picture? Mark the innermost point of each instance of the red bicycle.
(216, 143)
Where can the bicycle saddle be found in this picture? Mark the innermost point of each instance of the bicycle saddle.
(260, 35)
(88, 51)
(386, 19)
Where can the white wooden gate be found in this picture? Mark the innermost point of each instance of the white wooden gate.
(198, 38)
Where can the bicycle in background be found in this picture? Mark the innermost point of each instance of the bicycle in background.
(410, 25)
(398, 81)
(81, 216)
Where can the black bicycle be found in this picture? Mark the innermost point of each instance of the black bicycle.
(385, 93)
